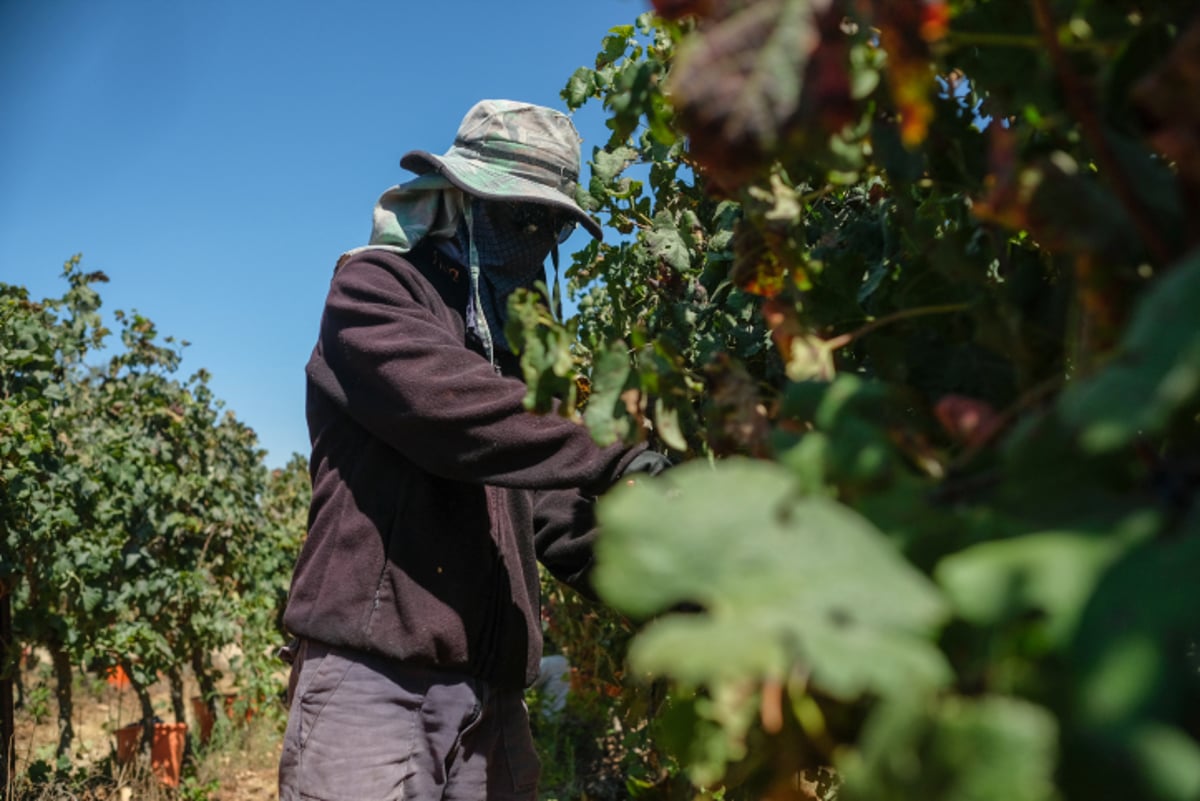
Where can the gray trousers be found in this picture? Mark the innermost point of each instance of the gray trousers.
(365, 728)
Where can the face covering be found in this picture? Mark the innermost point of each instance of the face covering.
(505, 244)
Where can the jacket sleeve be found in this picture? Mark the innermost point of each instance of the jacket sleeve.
(564, 534)
(406, 376)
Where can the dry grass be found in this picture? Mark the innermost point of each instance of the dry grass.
(237, 764)
(240, 764)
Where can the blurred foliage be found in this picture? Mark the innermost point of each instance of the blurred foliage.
(600, 744)
(138, 526)
(912, 287)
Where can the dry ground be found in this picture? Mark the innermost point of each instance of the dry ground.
(237, 765)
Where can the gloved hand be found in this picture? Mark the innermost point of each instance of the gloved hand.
(648, 462)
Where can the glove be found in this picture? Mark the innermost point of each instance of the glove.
(648, 462)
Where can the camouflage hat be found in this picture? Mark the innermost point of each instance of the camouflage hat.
(507, 150)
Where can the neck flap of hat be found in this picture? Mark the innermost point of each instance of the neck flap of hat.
(429, 206)
(405, 214)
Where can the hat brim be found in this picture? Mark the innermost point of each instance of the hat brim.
(482, 179)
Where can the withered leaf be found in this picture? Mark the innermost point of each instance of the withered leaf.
(966, 419)
(756, 268)
(737, 84)
(906, 28)
(678, 9)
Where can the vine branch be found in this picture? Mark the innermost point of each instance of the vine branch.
(904, 314)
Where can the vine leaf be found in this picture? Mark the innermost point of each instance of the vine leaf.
(605, 415)
(1155, 373)
(608, 165)
(910, 751)
(1132, 679)
(666, 423)
(783, 581)
(806, 356)
(737, 85)
(580, 87)
(1049, 574)
(544, 346)
(665, 243)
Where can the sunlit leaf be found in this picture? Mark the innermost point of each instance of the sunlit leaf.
(666, 423)
(665, 242)
(763, 570)
(607, 165)
(605, 414)
(579, 87)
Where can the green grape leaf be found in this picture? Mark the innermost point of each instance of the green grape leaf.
(1168, 759)
(1051, 573)
(1139, 624)
(614, 44)
(992, 748)
(579, 88)
(608, 165)
(605, 415)
(782, 580)
(544, 346)
(666, 423)
(1155, 373)
(666, 243)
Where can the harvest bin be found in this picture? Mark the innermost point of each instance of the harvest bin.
(204, 716)
(166, 749)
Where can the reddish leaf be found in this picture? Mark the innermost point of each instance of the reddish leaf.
(805, 355)
(935, 20)
(967, 420)
(737, 84)
(739, 422)
(906, 29)
(678, 9)
(785, 326)
(756, 268)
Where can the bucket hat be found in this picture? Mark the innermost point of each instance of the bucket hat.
(507, 150)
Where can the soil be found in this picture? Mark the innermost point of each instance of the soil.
(240, 765)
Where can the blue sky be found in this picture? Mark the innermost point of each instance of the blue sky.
(214, 158)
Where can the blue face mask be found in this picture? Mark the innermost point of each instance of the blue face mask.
(511, 243)
(511, 239)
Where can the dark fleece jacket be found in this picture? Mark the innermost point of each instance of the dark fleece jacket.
(434, 491)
